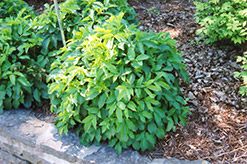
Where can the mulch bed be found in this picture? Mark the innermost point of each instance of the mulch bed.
(216, 129)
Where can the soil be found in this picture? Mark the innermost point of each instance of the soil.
(216, 129)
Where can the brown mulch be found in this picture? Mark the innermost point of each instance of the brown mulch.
(216, 129)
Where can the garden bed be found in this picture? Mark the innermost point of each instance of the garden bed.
(216, 129)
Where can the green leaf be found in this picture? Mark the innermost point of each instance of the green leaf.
(36, 95)
(122, 92)
(28, 101)
(16, 104)
(160, 133)
(182, 120)
(23, 81)
(131, 53)
(151, 44)
(102, 100)
(94, 122)
(147, 115)
(124, 135)
(138, 93)
(132, 78)
(87, 119)
(149, 106)
(1, 110)
(149, 93)
(121, 105)
(46, 45)
(136, 145)
(8, 103)
(158, 120)
(112, 142)
(152, 128)
(130, 124)
(119, 115)
(132, 106)
(144, 144)
(154, 88)
(118, 148)
(170, 124)
(111, 68)
(140, 47)
(171, 111)
(93, 110)
(92, 94)
(110, 99)
(24, 57)
(142, 57)
(12, 79)
(150, 138)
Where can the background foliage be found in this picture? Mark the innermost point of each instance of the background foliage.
(222, 20)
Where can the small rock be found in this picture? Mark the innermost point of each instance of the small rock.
(191, 96)
(195, 103)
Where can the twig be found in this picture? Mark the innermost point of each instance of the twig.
(226, 152)
(60, 22)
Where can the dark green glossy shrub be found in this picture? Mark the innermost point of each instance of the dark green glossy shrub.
(118, 84)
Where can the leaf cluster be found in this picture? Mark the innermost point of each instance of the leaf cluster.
(222, 20)
(118, 84)
(12, 7)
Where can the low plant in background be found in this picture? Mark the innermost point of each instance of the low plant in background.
(118, 84)
(12, 7)
(243, 75)
(222, 20)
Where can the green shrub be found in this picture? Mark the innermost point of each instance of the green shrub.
(21, 67)
(243, 74)
(118, 84)
(222, 20)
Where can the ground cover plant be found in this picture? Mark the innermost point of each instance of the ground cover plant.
(118, 84)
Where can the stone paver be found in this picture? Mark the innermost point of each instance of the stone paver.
(24, 138)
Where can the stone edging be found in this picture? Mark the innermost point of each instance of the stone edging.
(24, 139)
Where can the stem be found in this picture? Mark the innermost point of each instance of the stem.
(60, 22)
